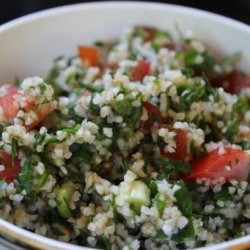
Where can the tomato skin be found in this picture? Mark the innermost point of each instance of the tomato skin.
(11, 170)
(10, 107)
(181, 135)
(42, 112)
(180, 153)
(213, 166)
(10, 89)
(154, 110)
(89, 54)
(233, 82)
(175, 47)
(150, 33)
(147, 33)
(113, 66)
(140, 70)
(151, 108)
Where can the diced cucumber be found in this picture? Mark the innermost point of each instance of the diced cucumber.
(136, 194)
(63, 198)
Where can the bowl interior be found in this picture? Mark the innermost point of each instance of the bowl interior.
(28, 45)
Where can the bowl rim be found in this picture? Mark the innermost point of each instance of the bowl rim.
(114, 4)
(42, 242)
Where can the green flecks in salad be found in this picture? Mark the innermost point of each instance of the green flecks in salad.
(137, 143)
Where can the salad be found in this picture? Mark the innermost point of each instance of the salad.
(142, 142)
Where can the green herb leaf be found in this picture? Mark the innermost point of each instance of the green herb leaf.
(241, 106)
(91, 87)
(184, 203)
(160, 202)
(71, 130)
(43, 178)
(223, 195)
(153, 188)
(231, 130)
(125, 165)
(42, 87)
(3, 127)
(45, 155)
(183, 199)
(104, 242)
(99, 43)
(125, 108)
(186, 232)
(82, 152)
(191, 95)
(25, 177)
(171, 167)
(40, 138)
(160, 236)
(245, 144)
(53, 139)
(159, 40)
(56, 231)
(94, 109)
(14, 151)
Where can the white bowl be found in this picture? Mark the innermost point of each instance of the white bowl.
(29, 44)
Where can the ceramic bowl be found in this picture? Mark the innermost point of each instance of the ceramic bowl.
(29, 44)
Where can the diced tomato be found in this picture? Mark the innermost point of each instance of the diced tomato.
(11, 169)
(42, 112)
(233, 82)
(147, 125)
(10, 107)
(8, 104)
(154, 110)
(233, 164)
(89, 55)
(10, 89)
(155, 116)
(149, 34)
(113, 66)
(175, 47)
(140, 70)
(180, 153)
(151, 108)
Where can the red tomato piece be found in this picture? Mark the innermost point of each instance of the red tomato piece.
(175, 47)
(140, 70)
(113, 66)
(42, 112)
(155, 111)
(89, 54)
(151, 108)
(149, 34)
(10, 89)
(233, 82)
(10, 107)
(11, 169)
(180, 153)
(7, 103)
(233, 164)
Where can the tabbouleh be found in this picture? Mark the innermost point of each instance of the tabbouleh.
(138, 143)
